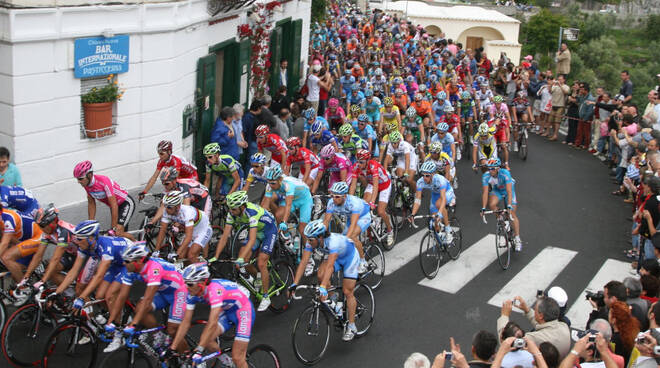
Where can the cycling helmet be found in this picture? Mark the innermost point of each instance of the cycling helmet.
(169, 174)
(443, 127)
(196, 272)
(378, 71)
(483, 129)
(327, 151)
(363, 154)
(363, 80)
(214, 148)
(258, 158)
(498, 98)
(87, 228)
(355, 110)
(484, 84)
(436, 147)
(411, 112)
(316, 127)
(82, 169)
(164, 146)
(333, 102)
(397, 81)
(410, 79)
(345, 130)
(522, 93)
(395, 137)
(237, 199)
(398, 91)
(368, 93)
(448, 108)
(465, 95)
(293, 142)
(422, 87)
(363, 118)
(314, 229)
(428, 167)
(387, 101)
(339, 187)
(355, 87)
(481, 79)
(262, 130)
(46, 215)
(134, 252)
(274, 173)
(347, 72)
(433, 78)
(173, 198)
(494, 162)
(418, 97)
(309, 113)
(442, 95)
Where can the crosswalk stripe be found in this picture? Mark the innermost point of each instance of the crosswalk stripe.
(456, 274)
(536, 275)
(403, 252)
(610, 270)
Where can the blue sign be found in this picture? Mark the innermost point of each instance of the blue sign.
(95, 56)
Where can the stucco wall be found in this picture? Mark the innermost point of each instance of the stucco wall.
(40, 98)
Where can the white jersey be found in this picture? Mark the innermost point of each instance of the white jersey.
(187, 216)
(484, 98)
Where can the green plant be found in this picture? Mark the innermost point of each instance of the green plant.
(108, 93)
(318, 10)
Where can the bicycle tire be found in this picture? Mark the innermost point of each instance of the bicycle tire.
(376, 264)
(263, 356)
(365, 309)
(3, 315)
(454, 249)
(307, 319)
(429, 256)
(66, 336)
(522, 146)
(504, 251)
(127, 358)
(236, 244)
(280, 301)
(13, 330)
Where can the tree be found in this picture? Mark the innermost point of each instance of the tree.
(542, 30)
(318, 10)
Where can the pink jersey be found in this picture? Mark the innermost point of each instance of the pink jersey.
(334, 168)
(499, 113)
(102, 187)
(274, 143)
(186, 169)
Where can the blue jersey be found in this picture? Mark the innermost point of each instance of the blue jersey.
(351, 206)
(107, 248)
(439, 109)
(318, 118)
(290, 186)
(437, 184)
(336, 244)
(346, 84)
(446, 142)
(355, 99)
(19, 199)
(326, 138)
(372, 107)
(498, 183)
(156, 272)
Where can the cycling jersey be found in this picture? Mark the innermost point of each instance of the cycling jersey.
(521, 104)
(274, 143)
(25, 230)
(198, 194)
(447, 142)
(484, 99)
(303, 157)
(346, 84)
(190, 216)
(302, 197)
(235, 303)
(347, 256)
(354, 143)
(436, 186)
(255, 216)
(390, 119)
(439, 109)
(467, 107)
(339, 163)
(423, 108)
(498, 113)
(372, 108)
(19, 199)
(352, 205)
(324, 122)
(252, 175)
(326, 137)
(108, 248)
(62, 237)
(399, 154)
(355, 98)
(225, 167)
(367, 133)
(335, 118)
(487, 148)
(373, 168)
(497, 184)
(185, 169)
(101, 188)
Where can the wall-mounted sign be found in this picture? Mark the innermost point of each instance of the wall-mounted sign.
(96, 56)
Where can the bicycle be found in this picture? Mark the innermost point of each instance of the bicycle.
(401, 202)
(432, 246)
(503, 236)
(522, 139)
(258, 356)
(312, 327)
(5, 298)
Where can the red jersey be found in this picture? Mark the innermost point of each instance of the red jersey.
(373, 168)
(186, 169)
(304, 157)
(274, 143)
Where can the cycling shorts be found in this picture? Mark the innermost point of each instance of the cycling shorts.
(451, 200)
(467, 113)
(500, 136)
(363, 222)
(28, 247)
(312, 173)
(125, 212)
(304, 205)
(501, 195)
(482, 154)
(266, 243)
(25, 261)
(228, 182)
(374, 117)
(349, 263)
(176, 300)
(242, 318)
(201, 235)
(383, 195)
(88, 270)
(113, 274)
(67, 261)
(401, 162)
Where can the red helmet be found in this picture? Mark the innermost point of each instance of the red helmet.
(293, 142)
(262, 130)
(164, 146)
(363, 154)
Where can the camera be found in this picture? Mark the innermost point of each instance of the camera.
(592, 338)
(641, 338)
(597, 297)
(449, 356)
(518, 343)
(539, 294)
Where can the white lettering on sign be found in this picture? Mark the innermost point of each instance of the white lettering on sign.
(103, 48)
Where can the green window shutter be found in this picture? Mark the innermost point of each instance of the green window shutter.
(294, 63)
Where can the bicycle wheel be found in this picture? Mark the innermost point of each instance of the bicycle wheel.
(70, 342)
(502, 247)
(238, 240)
(454, 248)
(263, 356)
(25, 334)
(127, 357)
(281, 276)
(3, 315)
(522, 146)
(395, 228)
(375, 266)
(311, 335)
(365, 310)
(429, 256)
(382, 233)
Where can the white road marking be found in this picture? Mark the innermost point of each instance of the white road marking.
(403, 252)
(537, 275)
(610, 270)
(453, 275)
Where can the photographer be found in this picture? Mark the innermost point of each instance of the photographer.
(513, 345)
(484, 345)
(518, 357)
(647, 345)
(634, 289)
(584, 353)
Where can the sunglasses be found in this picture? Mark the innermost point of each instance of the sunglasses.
(171, 206)
(337, 196)
(79, 238)
(272, 182)
(80, 179)
(256, 166)
(362, 162)
(327, 158)
(427, 175)
(210, 157)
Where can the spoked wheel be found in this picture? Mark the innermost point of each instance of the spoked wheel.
(239, 238)
(522, 146)
(365, 310)
(429, 255)
(263, 356)
(375, 266)
(70, 342)
(454, 248)
(126, 357)
(311, 335)
(281, 276)
(502, 247)
(25, 334)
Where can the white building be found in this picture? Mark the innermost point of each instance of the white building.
(179, 55)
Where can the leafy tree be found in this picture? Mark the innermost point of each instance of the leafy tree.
(542, 30)
(318, 10)
(653, 26)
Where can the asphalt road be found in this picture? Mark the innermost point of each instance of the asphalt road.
(571, 228)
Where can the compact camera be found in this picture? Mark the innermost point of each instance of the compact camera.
(518, 343)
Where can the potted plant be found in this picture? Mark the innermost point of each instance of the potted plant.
(97, 106)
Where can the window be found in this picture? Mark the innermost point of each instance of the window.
(86, 84)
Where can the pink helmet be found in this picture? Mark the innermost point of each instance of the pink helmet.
(333, 103)
(82, 168)
(327, 151)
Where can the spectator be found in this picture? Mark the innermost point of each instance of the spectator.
(517, 357)
(560, 296)
(484, 346)
(417, 360)
(650, 287)
(284, 76)
(237, 124)
(564, 61)
(649, 217)
(654, 316)
(634, 290)
(625, 328)
(585, 114)
(626, 90)
(326, 85)
(550, 354)
(650, 113)
(545, 105)
(530, 348)
(266, 116)
(604, 329)
(646, 347)
(223, 133)
(250, 123)
(587, 351)
(280, 100)
(559, 91)
(9, 174)
(572, 113)
(314, 84)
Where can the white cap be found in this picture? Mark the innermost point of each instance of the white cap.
(559, 295)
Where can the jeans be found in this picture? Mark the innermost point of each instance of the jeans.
(620, 172)
(583, 135)
(635, 238)
(600, 146)
(648, 249)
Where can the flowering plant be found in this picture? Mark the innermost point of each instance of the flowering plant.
(108, 93)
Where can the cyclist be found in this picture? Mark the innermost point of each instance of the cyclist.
(262, 235)
(273, 143)
(367, 133)
(439, 105)
(310, 118)
(501, 120)
(446, 140)
(400, 99)
(308, 161)
(376, 181)
(356, 110)
(165, 288)
(522, 110)
(225, 167)
(346, 81)
(442, 195)
(189, 219)
(185, 169)
(104, 189)
(414, 130)
(336, 164)
(371, 106)
(443, 163)
(454, 127)
(256, 173)
(484, 145)
(406, 160)
(356, 97)
(350, 142)
(467, 110)
(341, 255)
(390, 120)
(484, 97)
(424, 110)
(497, 184)
(229, 305)
(19, 199)
(321, 137)
(194, 193)
(290, 195)
(334, 114)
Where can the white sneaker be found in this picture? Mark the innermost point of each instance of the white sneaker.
(390, 238)
(100, 319)
(349, 333)
(21, 296)
(458, 155)
(115, 344)
(363, 267)
(517, 244)
(309, 268)
(265, 303)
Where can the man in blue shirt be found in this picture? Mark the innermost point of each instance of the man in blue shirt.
(250, 123)
(498, 185)
(223, 133)
(9, 174)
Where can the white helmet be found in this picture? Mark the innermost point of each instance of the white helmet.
(173, 198)
(135, 252)
(196, 272)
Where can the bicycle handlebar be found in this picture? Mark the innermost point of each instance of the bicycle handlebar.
(303, 287)
(490, 212)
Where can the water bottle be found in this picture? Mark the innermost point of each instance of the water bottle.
(296, 243)
(332, 302)
(286, 239)
(507, 225)
(226, 361)
(338, 307)
(246, 275)
(377, 222)
(257, 281)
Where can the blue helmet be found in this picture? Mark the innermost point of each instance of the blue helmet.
(315, 229)
(309, 113)
(443, 127)
(87, 228)
(428, 167)
(368, 93)
(494, 162)
(355, 87)
(442, 95)
(363, 117)
(258, 158)
(339, 187)
(274, 173)
(316, 127)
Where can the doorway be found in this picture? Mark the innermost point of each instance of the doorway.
(474, 43)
